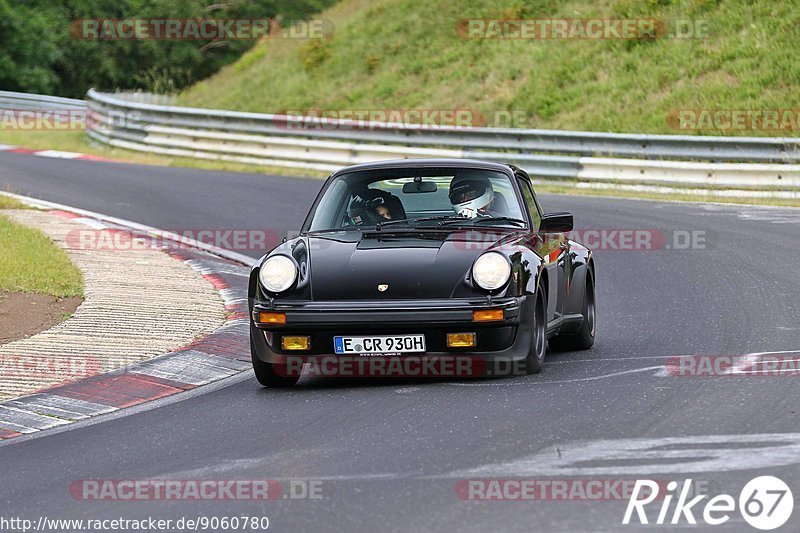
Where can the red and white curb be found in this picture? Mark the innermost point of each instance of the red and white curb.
(223, 353)
(57, 154)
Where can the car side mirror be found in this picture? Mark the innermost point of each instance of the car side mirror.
(556, 223)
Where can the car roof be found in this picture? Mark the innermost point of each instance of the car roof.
(425, 163)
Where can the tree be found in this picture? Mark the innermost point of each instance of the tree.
(38, 53)
(27, 49)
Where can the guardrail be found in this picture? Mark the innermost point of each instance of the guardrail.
(741, 165)
(281, 140)
(26, 102)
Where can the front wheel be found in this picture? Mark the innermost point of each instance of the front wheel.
(535, 360)
(270, 375)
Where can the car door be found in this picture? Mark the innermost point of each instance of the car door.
(553, 248)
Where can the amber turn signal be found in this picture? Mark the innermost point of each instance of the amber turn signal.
(272, 318)
(487, 315)
(460, 340)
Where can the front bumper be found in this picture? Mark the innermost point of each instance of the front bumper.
(506, 339)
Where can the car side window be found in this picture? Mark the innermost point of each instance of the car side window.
(530, 201)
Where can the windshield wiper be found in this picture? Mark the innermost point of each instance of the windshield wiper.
(501, 219)
(380, 225)
(463, 220)
(409, 221)
(333, 230)
(443, 219)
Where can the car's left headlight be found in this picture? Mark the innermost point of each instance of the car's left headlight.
(491, 271)
(277, 273)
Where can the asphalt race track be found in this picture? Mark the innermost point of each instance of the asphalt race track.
(390, 454)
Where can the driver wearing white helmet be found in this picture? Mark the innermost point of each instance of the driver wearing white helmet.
(472, 196)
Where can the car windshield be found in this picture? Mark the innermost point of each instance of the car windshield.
(402, 198)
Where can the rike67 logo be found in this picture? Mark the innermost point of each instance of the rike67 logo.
(765, 503)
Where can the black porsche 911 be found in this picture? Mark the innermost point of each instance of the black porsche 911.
(422, 258)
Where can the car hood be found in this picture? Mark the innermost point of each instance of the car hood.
(412, 265)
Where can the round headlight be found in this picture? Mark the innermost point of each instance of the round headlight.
(277, 273)
(491, 271)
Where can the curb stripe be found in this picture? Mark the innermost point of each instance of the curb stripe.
(223, 353)
(56, 154)
(191, 367)
(119, 391)
(6, 434)
(217, 281)
(26, 421)
(68, 408)
(64, 214)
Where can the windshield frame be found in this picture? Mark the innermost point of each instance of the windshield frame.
(506, 171)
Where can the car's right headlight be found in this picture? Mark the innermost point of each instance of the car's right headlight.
(491, 271)
(277, 273)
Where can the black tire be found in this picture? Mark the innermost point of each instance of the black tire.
(270, 375)
(583, 339)
(538, 349)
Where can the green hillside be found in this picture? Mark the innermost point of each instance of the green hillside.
(408, 54)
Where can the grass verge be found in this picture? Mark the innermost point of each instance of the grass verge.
(6, 202)
(31, 262)
(667, 197)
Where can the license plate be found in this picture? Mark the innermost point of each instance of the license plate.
(379, 345)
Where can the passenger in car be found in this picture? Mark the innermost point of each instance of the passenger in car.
(383, 212)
